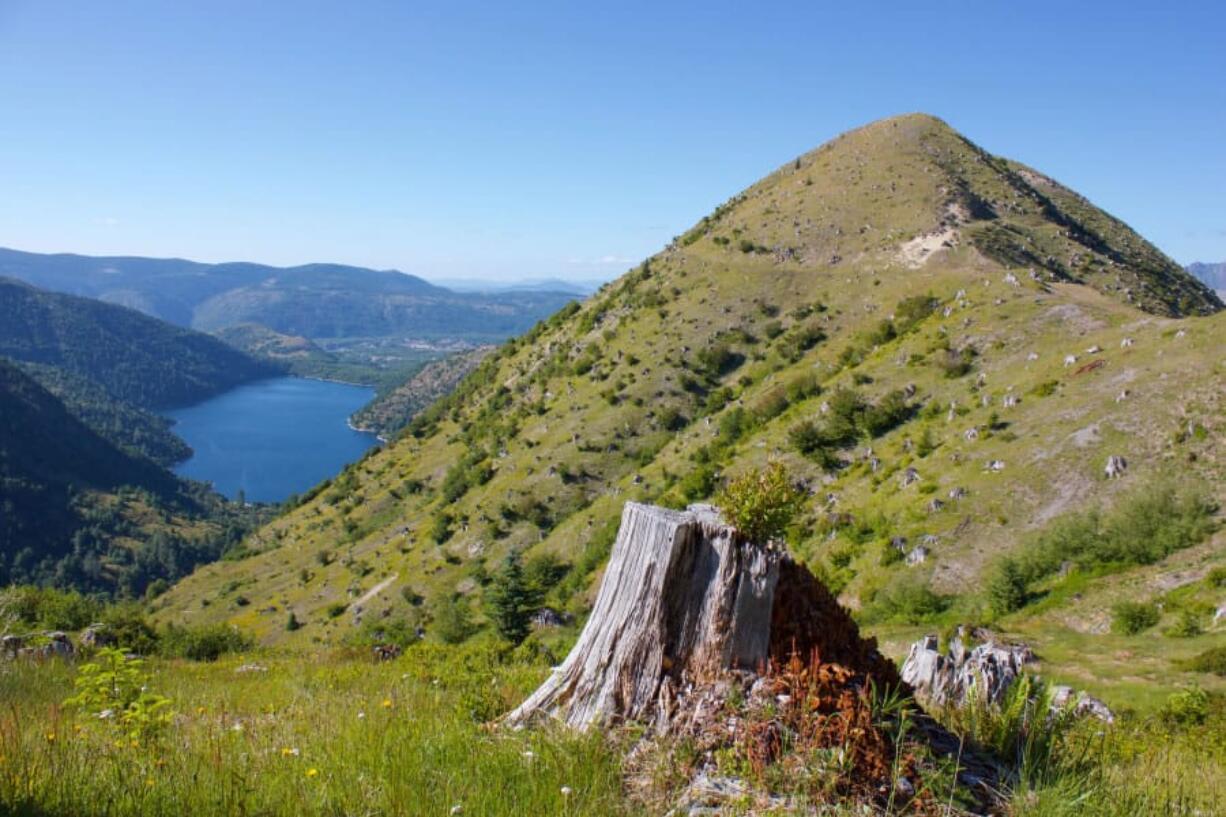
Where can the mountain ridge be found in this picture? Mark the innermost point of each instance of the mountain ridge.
(312, 300)
(892, 316)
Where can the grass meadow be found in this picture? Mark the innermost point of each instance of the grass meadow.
(335, 734)
(314, 735)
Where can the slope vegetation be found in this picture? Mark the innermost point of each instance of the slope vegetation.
(944, 346)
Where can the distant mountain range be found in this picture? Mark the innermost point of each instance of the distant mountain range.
(313, 301)
(1212, 275)
(578, 287)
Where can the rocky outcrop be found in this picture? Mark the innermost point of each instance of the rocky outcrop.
(986, 671)
(40, 646)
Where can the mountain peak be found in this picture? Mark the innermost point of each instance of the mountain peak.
(910, 191)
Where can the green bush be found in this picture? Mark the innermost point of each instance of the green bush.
(1187, 625)
(698, 483)
(1132, 617)
(1186, 707)
(907, 599)
(49, 608)
(1143, 527)
(761, 504)
(1212, 660)
(204, 643)
(453, 622)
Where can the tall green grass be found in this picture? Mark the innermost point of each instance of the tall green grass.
(1057, 765)
(303, 736)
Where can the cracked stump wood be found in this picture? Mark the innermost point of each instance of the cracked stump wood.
(684, 600)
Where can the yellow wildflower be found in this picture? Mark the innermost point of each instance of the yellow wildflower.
(312, 772)
(149, 782)
(387, 703)
(50, 737)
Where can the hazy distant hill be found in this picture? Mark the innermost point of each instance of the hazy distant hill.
(313, 301)
(1213, 275)
(891, 316)
(583, 288)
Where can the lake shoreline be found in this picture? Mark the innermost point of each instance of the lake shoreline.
(274, 437)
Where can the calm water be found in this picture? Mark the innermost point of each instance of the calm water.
(272, 438)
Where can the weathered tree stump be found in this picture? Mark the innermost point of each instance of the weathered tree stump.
(684, 600)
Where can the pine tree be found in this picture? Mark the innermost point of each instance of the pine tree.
(1007, 587)
(512, 603)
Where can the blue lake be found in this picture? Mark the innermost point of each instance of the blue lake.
(272, 438)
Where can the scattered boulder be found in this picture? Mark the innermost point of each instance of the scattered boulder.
(988, 670)
(11, 646)
(96, 636)
(246, 668)
(1116, 466)
(386, 652)
(917, 556)
(909, 477)
(996, 465)
(956, 493)
(1081, 703)
(1070, 360)
(935, 505)
(548, 617)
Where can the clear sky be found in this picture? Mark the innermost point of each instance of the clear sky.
(520, 139)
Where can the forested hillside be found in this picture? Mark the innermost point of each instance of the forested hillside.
(76, 511)
(137, 359)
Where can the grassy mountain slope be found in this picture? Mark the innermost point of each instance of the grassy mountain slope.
(388, 413)
(137, 359)
(887, 291)
(313, 300)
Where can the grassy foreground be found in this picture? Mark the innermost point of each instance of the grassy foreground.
(306, 735)
(275, 734)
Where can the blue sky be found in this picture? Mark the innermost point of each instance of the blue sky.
(513, 140)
